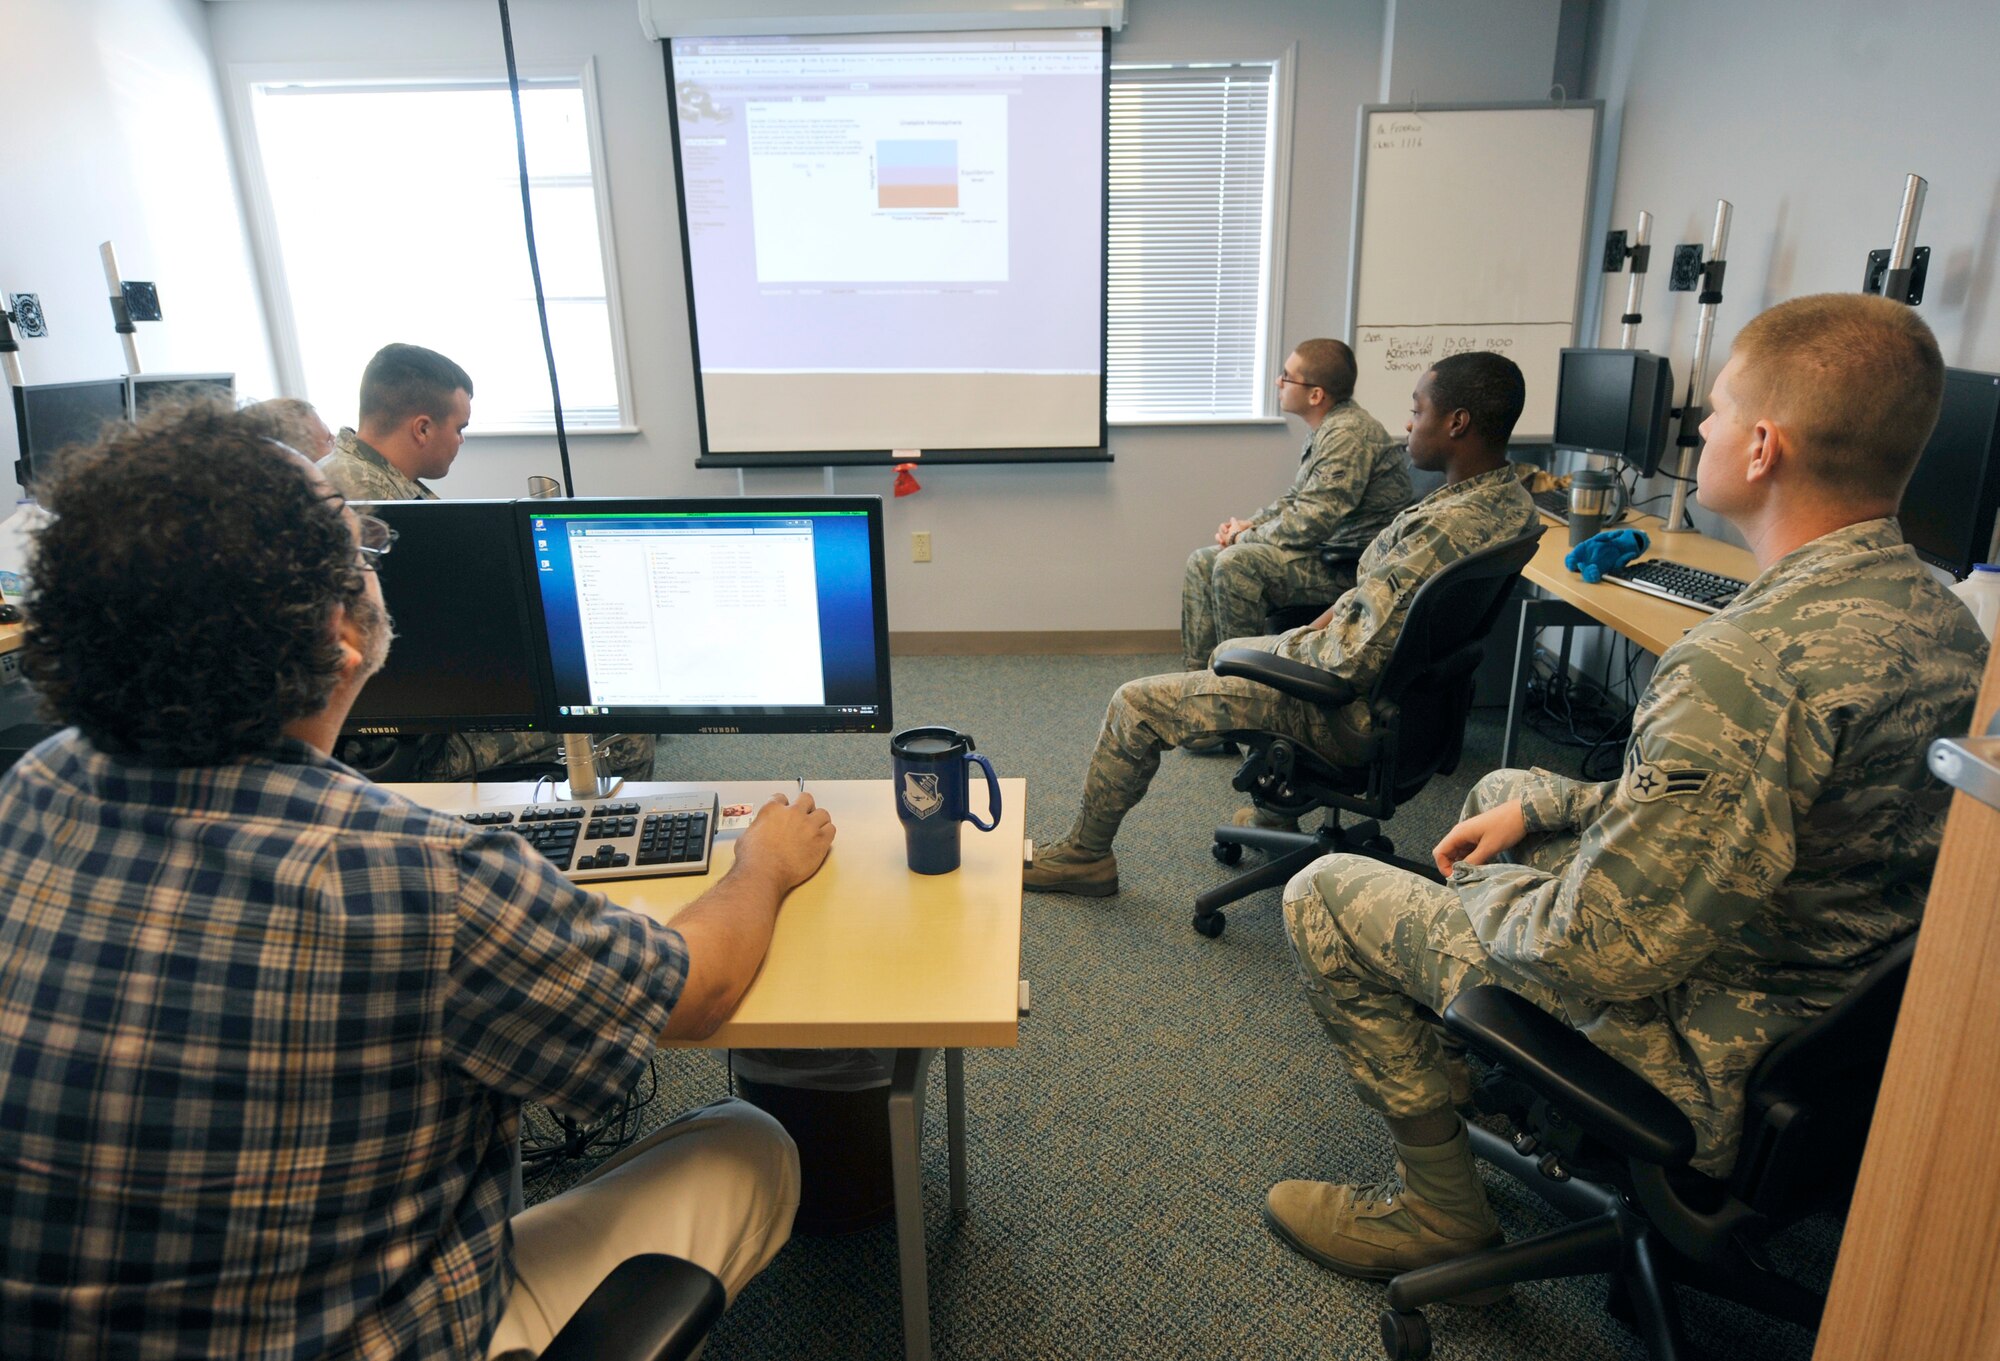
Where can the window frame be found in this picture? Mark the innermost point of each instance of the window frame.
(1278, 208)
(267, 245)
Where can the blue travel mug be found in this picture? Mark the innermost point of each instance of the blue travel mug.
(933, 781)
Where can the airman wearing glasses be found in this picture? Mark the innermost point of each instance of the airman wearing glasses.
(1352, 480)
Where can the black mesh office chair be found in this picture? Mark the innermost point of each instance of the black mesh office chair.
(1611, 1152)
(1419, 706)
(652, 1308)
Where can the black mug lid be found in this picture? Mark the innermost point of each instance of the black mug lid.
(930, 743)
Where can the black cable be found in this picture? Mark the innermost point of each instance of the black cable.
(534, 260)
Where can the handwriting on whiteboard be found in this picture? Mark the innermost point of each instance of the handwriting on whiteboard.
(1415, 353)
(1393, 134)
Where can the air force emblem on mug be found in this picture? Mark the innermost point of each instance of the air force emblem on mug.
(920, 794)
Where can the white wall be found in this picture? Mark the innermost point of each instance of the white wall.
(114, 132)
(1451, 51)
(1806, 116)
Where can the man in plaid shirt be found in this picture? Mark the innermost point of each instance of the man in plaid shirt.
(265, 1028)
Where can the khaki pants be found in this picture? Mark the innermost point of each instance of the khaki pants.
(718, 1186)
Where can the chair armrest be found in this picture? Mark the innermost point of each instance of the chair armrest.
(652, 1308)
(1613, 1104)
(1285, 675)
(1338, 557)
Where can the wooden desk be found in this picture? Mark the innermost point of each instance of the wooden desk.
(1649, 621)
(11, 636)
(866, 955)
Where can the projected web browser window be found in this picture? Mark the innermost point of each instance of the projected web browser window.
(907, 229)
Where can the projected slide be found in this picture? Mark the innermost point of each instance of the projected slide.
(907, 230)
(884, 207)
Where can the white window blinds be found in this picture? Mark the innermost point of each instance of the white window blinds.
(1190, 284)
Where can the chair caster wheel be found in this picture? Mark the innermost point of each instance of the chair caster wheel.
(1405, 1337)
(1378, 846)
(1228, 852)
(1211, 925)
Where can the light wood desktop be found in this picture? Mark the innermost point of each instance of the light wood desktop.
(1649, 621)
(866, 955)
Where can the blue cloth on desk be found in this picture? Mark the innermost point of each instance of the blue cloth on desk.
(1601, 553)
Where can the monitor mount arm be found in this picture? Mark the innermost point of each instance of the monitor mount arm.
(1688, 270)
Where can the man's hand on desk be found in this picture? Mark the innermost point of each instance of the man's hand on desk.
(787, 840)
(728, 928)
(1477, 840)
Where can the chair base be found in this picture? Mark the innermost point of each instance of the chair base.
(1605, 1237)
(1290, 852)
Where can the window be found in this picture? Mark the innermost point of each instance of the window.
(1194, 200)
(392, 211)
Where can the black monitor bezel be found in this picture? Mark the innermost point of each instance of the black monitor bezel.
(25, 470)
(719, 720)
(536, 720)
(1654, 426)
(1986, 506)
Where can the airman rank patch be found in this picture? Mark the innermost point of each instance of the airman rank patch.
(1646, 782)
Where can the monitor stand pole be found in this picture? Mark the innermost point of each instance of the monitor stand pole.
(1691, 411)
(584, 780)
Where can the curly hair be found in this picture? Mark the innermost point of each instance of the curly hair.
(180, 602)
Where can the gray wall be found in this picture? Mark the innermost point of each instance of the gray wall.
(1806, 116)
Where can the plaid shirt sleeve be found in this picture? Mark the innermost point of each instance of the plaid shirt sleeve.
(555, 994)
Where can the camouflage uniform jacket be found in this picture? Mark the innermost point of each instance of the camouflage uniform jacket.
(1352, 480)
(1456, 520)
(360, 473)
(1774, 830)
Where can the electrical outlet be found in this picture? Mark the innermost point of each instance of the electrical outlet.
(10, 666)
(920, 546)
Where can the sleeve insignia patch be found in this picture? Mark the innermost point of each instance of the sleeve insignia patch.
(1648, 783)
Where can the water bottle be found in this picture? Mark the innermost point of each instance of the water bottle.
(1981, 594)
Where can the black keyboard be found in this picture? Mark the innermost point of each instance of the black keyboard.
(614, 838)
(1682, 585)
(1554, 503)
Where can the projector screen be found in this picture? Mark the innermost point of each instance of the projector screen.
(894, 244)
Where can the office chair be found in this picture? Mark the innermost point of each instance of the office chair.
(652, 1308)
(1285, 618)
(1613, 1157)
(1419, 705)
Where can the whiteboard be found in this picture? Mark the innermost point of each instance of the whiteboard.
(1470, 226)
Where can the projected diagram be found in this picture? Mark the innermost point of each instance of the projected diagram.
(916, 174)
(883, 189)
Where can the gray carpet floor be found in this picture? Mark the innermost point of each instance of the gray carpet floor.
(1118, 1157)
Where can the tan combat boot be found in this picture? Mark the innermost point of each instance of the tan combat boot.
(1253, 816)
(1061, 868)
(1431, 1209)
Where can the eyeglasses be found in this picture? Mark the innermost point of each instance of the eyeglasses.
(375, 541)
(1285, 378)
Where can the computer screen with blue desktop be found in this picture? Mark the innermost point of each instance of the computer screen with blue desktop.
(763, 614)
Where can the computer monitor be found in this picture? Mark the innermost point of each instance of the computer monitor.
(1949, 506)
(50, 417)
(1615, 402)
(464, 658)
(752, 614)
(143, 390)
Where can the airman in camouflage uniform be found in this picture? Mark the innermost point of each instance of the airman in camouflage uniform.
(1483, 505)
(1772, 833)
(361, 472)
(1352, 480)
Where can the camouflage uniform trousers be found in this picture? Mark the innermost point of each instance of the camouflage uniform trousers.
(469, 756)
(1382, 952)
(1147, 716)
(1227, 591)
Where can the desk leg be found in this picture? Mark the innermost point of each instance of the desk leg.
(1535, 615)
(906, 1127)
(954, 1109)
